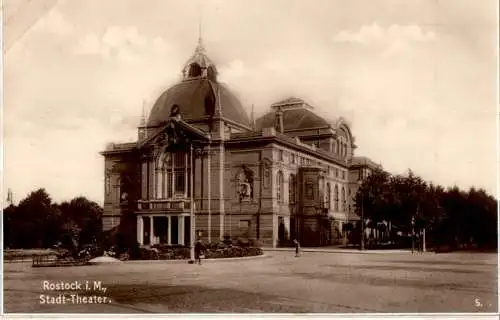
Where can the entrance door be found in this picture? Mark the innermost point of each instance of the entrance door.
(147, 230)
(281, 230)
(174, 228)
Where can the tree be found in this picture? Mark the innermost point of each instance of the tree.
(37, 222)
(34, 221)
(372, 196)
(82, 219)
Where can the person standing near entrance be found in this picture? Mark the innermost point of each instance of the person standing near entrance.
(198, 251)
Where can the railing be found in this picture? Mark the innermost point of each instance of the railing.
(165, 204)
(50, 260)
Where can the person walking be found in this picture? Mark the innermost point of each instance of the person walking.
(198, 250)
(297, 248)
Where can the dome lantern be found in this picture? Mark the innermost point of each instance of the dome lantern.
(199, 65)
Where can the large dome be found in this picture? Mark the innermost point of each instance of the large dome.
(197, 100)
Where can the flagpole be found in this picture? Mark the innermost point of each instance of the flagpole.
(191, 218)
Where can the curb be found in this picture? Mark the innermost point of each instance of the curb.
(186, 261)
(345, 251)
(239, 258)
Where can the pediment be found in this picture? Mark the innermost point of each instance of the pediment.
(175, 133)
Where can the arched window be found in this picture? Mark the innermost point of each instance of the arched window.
(336, 198)
(160, 176)
(211, 74)
(209, 104)
(328, 195)
(279, 187)
(292, 185)
(194, 70)
(343, 199)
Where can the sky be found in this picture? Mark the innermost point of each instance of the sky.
(415, 80)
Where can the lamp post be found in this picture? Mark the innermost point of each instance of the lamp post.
(191, 213)
(362, 247)
(412, 234)
(346, 223)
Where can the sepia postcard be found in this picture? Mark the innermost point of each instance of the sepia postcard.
(283, 157)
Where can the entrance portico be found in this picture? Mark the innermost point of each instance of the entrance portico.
(168, 229)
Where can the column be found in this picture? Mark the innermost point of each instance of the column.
(287, 227)
(140, 229)
(169, 231)
(186, 174)
(180, 234)
(151, 230)
(152, 178)
(174, 155)
(209, 186)
(221, 188)
(165, 183)
(275, 230)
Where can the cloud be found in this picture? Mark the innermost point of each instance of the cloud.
(54, 22)
(394, 38)
(123, 43)
(91, 45)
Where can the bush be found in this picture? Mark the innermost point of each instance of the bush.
(214, 250)
(149, 254)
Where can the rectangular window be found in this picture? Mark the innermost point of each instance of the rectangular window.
(159, 184)
(281, 155)
(244, 228)
(309, 190)
(180, 160)
(180, 182)
(108, 185)
(336, 172)
(244, 224)
(292, 160)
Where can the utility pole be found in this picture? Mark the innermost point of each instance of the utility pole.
(362, 224)
(424, 249)
(362, 245)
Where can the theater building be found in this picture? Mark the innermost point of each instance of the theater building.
(202, 163)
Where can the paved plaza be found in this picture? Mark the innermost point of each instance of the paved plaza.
(279, 282)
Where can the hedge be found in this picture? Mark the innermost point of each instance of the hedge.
(215, 250)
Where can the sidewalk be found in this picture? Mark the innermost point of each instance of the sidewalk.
(342, 250)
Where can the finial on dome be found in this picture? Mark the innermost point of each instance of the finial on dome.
(200, 48)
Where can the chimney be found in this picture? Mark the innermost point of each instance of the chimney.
(279, 121)
(252, 118)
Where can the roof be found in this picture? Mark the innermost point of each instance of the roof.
(293, 119)
(365, 161)
(197, 99)
(239, 139)
(290, 103)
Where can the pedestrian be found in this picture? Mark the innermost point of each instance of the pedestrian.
(297, 248)
(198, 250)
